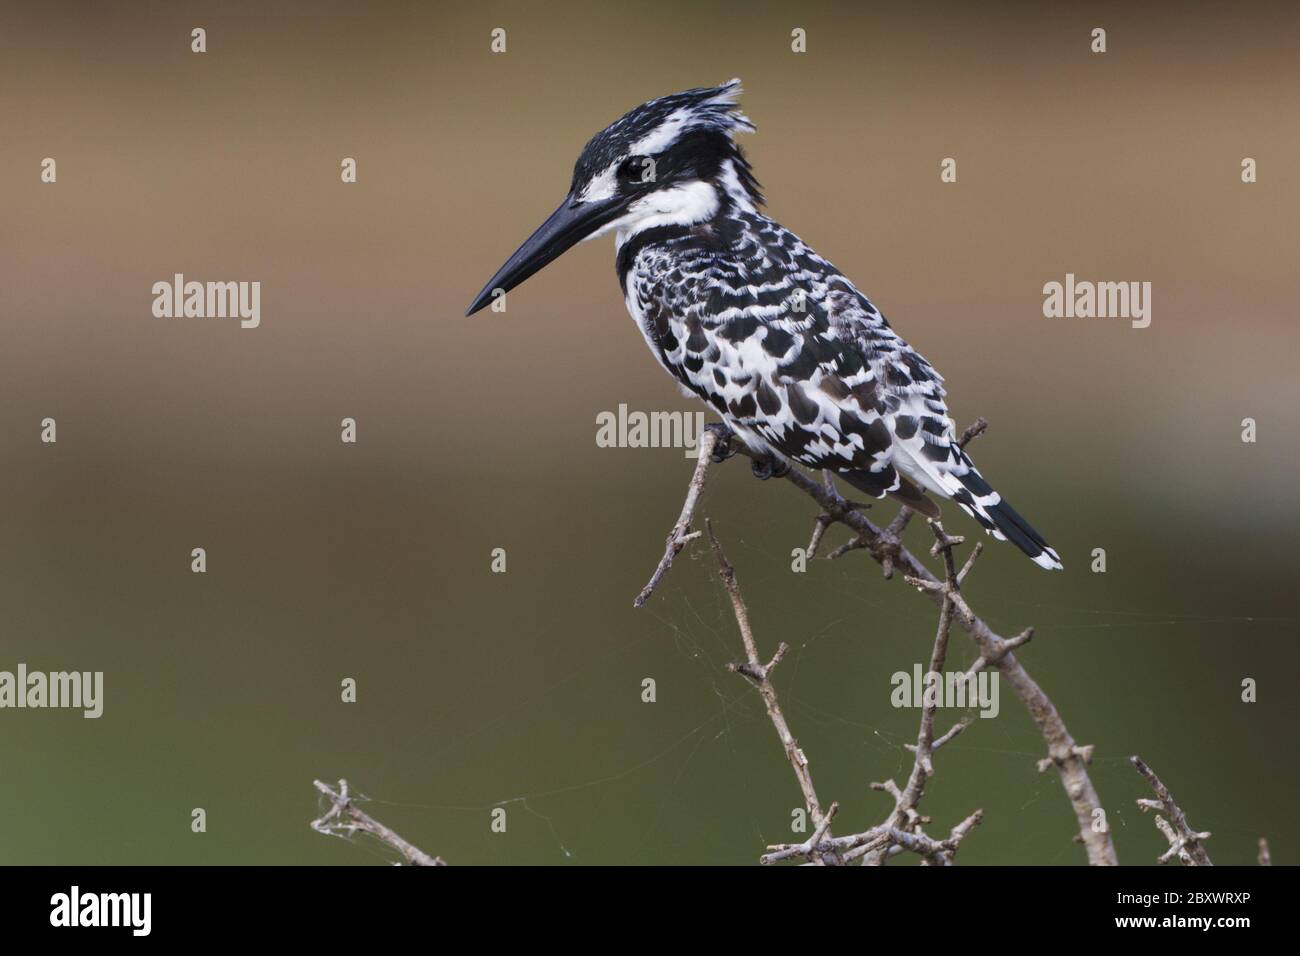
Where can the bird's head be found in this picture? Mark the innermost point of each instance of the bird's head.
(671, 161)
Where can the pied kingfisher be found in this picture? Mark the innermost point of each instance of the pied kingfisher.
(795, 359)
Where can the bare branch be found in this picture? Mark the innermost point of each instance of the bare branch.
(820, 525)
(1002, 648)
(883, 839)
(952, 732)
(681, 533)
(1063, 752)
(974, 431)
(885, 547)
(824, 520)
(891, 540)
(1184, 842)
(905, 814)
(344, 818)
(970, 562)
(759, 674)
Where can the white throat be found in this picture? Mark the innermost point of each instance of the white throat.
(682, 205)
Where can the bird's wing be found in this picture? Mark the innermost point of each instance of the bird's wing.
(798, 360)
(784, 346)
(912, 406)
(925, 442)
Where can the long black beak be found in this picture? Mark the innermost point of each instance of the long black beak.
(567, 226)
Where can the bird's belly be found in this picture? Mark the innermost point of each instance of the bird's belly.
(695, 383)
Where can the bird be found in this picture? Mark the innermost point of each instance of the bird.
(798, 363)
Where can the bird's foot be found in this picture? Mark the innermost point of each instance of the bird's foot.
(725, 445)
(771, 467)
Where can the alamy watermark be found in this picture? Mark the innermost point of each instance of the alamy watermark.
(923, 688)
(1082, 299)
(74, 690)
(208, 300)
(635, 429)
(75, 908)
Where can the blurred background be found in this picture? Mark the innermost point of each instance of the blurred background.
(523, 689)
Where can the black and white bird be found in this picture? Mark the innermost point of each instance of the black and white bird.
(795, 359)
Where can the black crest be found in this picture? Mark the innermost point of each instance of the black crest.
(691, 133)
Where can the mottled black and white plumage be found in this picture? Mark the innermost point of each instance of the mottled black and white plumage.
(743, 314)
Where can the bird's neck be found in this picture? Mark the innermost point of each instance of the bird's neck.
(738, 186)
(676, 212)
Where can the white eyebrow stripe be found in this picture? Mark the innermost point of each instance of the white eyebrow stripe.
(663, 135)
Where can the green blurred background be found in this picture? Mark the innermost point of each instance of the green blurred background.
(523, 689)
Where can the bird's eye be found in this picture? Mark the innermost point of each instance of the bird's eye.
(637, 169)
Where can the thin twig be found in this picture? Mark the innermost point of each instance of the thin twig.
(976, 428)
(952, 732)
(344, 818)
(681, 532)
(1008, 644)
(905, 814)
(1184, 842)
(823, 520)
(759, 674)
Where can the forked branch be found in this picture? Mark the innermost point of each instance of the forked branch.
(902, 831)
(1184, 842)
(759, 674)
(886, 548)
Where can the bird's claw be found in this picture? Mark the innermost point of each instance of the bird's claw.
(765, 468)
(725, 445)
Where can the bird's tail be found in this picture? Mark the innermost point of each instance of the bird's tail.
(1001, 520)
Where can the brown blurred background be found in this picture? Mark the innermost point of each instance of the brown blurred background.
(372, 560)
